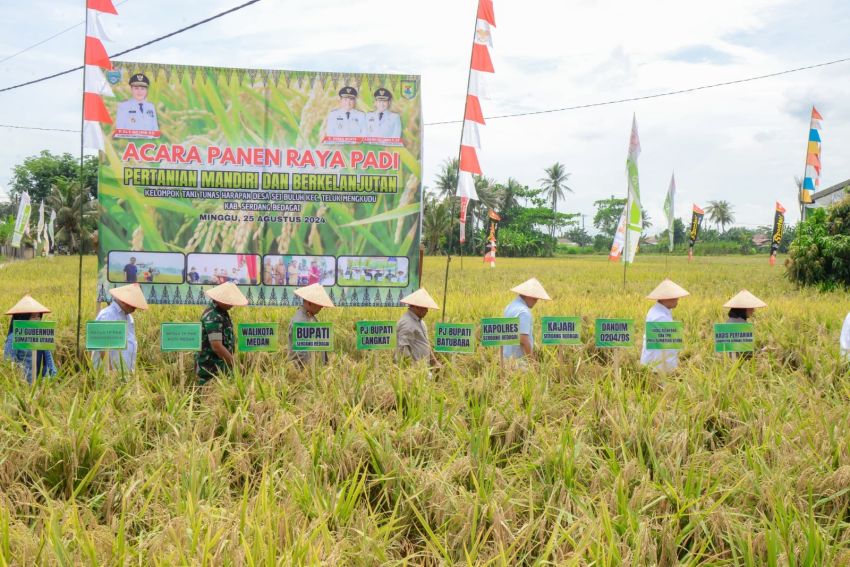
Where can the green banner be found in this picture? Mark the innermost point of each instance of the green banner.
(312, 337)
(106, 335)
(376, 335)
(34, 335)
(615, 333)
(269, 179)
(256, 337)
(664, 336)
(499, 331)
(176, 337)
(733, 337)
(561, 331)
(458, 338)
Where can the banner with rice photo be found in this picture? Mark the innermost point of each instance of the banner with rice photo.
(269, 179)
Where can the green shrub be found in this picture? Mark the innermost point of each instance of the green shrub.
(820, 254)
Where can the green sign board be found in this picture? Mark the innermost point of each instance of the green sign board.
(175, 337)
(376, 335)
(34, 335)
(455, 337)
(312, 337)
(733, 337)
(106, 335)
(615, 333)
(500, 331)
(256, 337)
(664, 336)
(561, 331)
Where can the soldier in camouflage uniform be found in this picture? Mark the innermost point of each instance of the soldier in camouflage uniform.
(217, 339)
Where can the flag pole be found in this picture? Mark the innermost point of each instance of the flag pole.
(457, 176)
(805, 167)
(82, 188)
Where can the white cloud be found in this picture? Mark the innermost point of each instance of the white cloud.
(741, 143)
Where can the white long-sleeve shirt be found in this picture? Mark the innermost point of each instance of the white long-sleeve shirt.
(113, 312)
(844, 340)
(659, 360)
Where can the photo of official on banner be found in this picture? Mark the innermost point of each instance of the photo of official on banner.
(252, 166)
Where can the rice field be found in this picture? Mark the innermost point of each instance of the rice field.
(583, 459)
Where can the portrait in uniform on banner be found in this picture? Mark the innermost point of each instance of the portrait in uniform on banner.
(136, 118)
(346, 124)
(382, 125)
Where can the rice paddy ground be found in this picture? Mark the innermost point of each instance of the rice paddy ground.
(583, 459)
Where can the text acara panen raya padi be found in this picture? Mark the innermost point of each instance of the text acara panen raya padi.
(260, 157)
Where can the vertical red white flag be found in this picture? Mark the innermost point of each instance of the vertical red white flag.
(95, 85)
(473, 116)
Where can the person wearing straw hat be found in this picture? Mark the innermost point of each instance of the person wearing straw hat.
(314, 298)
(528, 294)
(666, 296)
(741, 308)
(125, 300)
(28, 309)
(411, 333)
(217, 339)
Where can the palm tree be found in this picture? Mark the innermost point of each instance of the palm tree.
(720, 213)
(65, 199)
(555, 186)
(436, 222)
(509, 194)
(446, 181)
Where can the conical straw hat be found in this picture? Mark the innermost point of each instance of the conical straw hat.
(668, 289)
(228, 294)
(420, 298)
(531, 288)
(315, 293)
(27, 305)
(131, 295)
(745, 300)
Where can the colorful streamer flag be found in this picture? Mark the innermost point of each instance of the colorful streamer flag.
(811, 180)
(693, 232)
(669, 210)
(50, 230)
(634, 226)
(473, 119)
(22, 221)
(492, 236)
(778, 231)
(95, 84)
(464, 205)
(619, 237)
(40, 226)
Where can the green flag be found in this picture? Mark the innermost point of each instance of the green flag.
(635, 216)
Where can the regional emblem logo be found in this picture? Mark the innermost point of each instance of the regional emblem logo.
(114, 77)
(408, 89)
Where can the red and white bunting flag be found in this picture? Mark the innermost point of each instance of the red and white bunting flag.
(96, 86)
(473, 118)
(464, 205)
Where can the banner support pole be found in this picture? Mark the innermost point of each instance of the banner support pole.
(82, 195)
(457, 177)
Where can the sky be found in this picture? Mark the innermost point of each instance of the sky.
(743, 143)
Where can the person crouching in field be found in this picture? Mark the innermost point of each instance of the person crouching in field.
(741, 309)
(314, 298)
(217, 339)
(28, 309)
(412, 335)
(528, 294)
(125, 300)
(666, 296)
